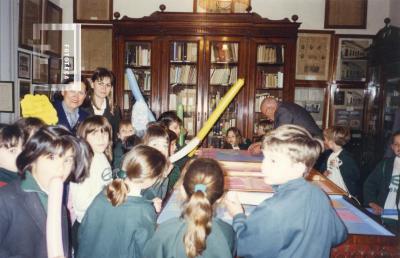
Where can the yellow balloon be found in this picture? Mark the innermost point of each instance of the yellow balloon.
(39, 106)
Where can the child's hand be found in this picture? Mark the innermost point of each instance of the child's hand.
(377, 210)
(157, 203)
(327, 173)
(255, 148)
(232, 203)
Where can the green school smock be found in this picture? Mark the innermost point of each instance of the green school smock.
(117, 232)
(167, 242)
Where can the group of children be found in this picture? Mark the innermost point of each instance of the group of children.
(115, 188)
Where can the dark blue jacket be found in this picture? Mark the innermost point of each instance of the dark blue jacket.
(62, 117)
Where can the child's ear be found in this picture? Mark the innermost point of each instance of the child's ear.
(299, 168)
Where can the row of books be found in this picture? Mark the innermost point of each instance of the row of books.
(224, 52)
(270, 54)
(143, 78)
(138, 55)
(222, 126)
(185, 74)
(183, 51)
(269, 80)
(223, 76)
(186, 97)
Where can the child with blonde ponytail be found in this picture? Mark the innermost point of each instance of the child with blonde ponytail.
(197, 233)
(120, 221)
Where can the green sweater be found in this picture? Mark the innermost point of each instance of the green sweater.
(117, 232)
(7, 176)
(167, 242)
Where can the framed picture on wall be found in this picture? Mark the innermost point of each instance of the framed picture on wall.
(30, 13)
(53, 38)
(96, 44)
(24, 88)
(24, 65)
(93, 11)
(40, 69)
(220, 6)
(7, 97)
(55, 70)
(313, 55)
(351, 64)
(348, 107)
(345, 14)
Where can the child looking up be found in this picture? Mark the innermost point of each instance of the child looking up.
(341, 167)
(120, 221)
(197, 233)
(299, 214)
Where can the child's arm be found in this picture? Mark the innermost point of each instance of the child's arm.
(371, 185)
(338, 229)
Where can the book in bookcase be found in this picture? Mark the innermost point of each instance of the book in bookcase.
(183, 81)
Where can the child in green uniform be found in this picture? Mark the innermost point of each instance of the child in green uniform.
(197, 233)
(120, 221)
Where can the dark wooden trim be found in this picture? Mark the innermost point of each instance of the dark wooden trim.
(20, 21)
(60, 10)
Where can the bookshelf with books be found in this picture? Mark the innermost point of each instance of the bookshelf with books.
(192, 59)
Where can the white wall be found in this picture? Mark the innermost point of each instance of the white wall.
(311, 12)
(395, 12)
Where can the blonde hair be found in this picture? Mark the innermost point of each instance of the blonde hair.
(142, 162)
(93, 123)
(340, 135)
(198, 208)
(294, 141)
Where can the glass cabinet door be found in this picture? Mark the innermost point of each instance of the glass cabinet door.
(313, 100)
(269, 78)
(138, 59)
(183, 69)
(223, 74)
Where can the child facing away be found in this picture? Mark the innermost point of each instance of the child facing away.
(298, 220)
(97, 131)
(120, 221)
(341, 167)
(234, 140)
(197, 233)
(126, 141)
(52, 152)
(381, 189)
(11, 141)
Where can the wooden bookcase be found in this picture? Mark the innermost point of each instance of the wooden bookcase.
(193, 59)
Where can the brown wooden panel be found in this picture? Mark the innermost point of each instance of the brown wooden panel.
(96, 48)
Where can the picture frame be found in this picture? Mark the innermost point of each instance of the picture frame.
(313, 55)
(53, 38)
(7, 97)
(30, 12)
(40, 69)
(345, 14)
(351, 57)
(24, 88)
(54, 70)
(95, 40)
(93, 11)
(24, 65)
(221, 6)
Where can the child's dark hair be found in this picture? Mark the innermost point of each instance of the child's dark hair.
(155, 130)
(93, 123)
(129, 142)
(172, 135)
(11, 136)
(124, 122)
(267, 125)
(168, 117)
(203, 182)
(100, 73)
(236, 132)
(340, 135)
(142, 162)
(53, 140)
(30, 125)
(394, 135)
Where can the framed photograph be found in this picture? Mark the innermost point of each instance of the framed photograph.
(40, 69)
(7, 97)
(96, 44)
(351, 62)
(313, 55)
(54, 70)
(345, 14)
(348, 107)
(24, 88)
(24, 65)
(313, 100)
(220, 6)
(30, 13)
(53, 38)
(93, 11)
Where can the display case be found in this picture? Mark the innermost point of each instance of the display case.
(196, 58)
